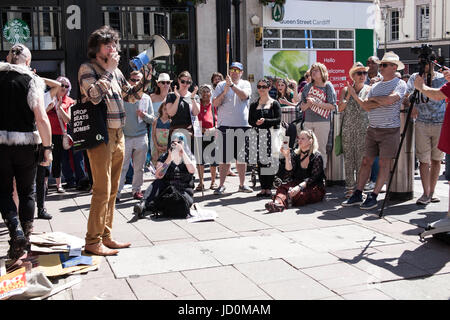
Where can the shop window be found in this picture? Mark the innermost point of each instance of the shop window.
(44, 24)
(346, 34)
(394, 25)
(294, 44)
(423, 22)
(271, 33)
(294, 34)
(160, 24)
(179, 26)
(181, 58)
(324, 34)
(324, 44)
(345, 44)
(275, 44)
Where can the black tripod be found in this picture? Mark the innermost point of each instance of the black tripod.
(413, 99)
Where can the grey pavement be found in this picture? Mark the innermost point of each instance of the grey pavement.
(320, 251)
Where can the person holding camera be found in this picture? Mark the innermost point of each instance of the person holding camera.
(100, 80)
(305, 168)
(429, 117)
(24, 129)
(176, 169)
(438, 94)
(383, 134)
(182, 105)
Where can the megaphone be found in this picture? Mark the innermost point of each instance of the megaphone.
(159, 47)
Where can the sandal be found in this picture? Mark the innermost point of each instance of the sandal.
(213, 186)
(200, 187)
(274, 207)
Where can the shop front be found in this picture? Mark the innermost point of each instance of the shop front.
(56, 31)
(336, 34)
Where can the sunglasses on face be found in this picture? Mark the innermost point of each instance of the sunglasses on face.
(134, 80)
(262, 87)
(385, 65)
(65, 86)
(360, 73)
(235, 70)
(165, 82)
(185, 81)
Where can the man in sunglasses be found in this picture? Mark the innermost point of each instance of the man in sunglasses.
(373, 75)
(138, 114)
(429, 117)
(383, 134)
(231, 98)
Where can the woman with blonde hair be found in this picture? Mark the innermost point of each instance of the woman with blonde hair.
(305, 168)
(318, 101)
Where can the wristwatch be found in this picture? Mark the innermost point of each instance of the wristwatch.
(232, 85)
(50, 147)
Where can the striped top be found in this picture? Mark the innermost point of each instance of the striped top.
(97, 84)
(387, 116)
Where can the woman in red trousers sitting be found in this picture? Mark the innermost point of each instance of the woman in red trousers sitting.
(305, 167)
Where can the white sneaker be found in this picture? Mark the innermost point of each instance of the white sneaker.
(369, 186)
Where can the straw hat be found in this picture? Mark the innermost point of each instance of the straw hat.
(391, 57)
(358, 66)
(164, 77)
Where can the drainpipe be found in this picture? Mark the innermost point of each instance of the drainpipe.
(237, 29)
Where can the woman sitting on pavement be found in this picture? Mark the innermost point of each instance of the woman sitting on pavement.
(305, 166)
(176, 169)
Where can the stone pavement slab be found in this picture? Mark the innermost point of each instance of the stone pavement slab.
(160, 259)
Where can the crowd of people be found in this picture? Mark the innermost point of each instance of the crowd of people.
(175, 127)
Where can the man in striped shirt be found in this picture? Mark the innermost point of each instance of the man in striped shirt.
(383, 134)
(100, 79)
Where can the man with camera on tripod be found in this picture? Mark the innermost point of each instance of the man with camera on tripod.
(383, 134)
(429, 115)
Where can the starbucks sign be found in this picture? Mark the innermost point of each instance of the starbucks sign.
(16, 31)
(278, 12)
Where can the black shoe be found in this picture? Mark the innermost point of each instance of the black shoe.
(70, 185)
(43, 214)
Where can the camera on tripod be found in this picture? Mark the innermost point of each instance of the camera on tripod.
(426, 56)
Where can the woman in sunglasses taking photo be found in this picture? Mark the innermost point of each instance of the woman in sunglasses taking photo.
(264, 114)
(354, 125)
(182, 104)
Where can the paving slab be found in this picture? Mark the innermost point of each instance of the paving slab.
(340, 238)
(268, 271)
(223, 283)
(103, 289)
(160, 259)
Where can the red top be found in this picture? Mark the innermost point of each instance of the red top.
(53, 117)
(444, 140)
(205, 116)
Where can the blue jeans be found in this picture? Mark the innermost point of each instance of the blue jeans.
(78, 163)
(375, 169)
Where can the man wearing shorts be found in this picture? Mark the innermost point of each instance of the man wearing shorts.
(383, 134)
(444, 139)
(231, 99)
(429, 117)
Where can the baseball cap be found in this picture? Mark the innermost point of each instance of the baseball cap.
(237, 65)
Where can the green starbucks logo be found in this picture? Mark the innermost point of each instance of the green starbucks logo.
(16, 31)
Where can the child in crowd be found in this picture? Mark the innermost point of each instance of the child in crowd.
(160, 133)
